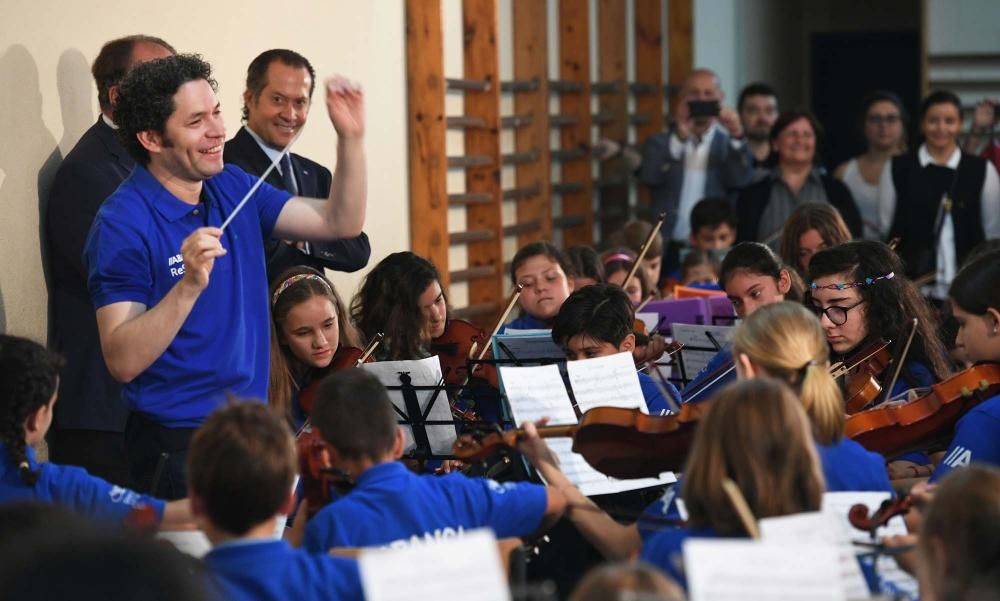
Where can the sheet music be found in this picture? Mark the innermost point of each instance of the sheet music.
(694, 337)
(746, 570)
(464, 568)
(535, 345)
(189, 542)
(536, 392)
(423, 372)
(526, 332)
(837, 504)
(606, 382)
(823, 528)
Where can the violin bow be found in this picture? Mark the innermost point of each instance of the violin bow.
(260, 180)
(838, 369)
(645, 247)
(645, 301)
(503, 317)
(902, 358)
(660, 381)
(739, 503)
(372, 345)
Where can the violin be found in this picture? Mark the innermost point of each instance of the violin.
(319, 476)
(862, 375)
(455, 346)
(859, 517)
(621, 443)
(346, 357)
(894, 428)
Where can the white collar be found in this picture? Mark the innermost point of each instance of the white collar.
(107, 120)
(271, 153)
(925, 158)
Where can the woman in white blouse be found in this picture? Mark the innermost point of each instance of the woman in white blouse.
(867, 176)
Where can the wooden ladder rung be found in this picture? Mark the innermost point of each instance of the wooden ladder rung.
(464, 122)
(469, 160)
(559, 86)
(474, 310)
(567, 187)
(523, 192)
(471, 236)
(563, 120)
(473, 273)
(514, 121)
(523, 85)
(567, 154)
(568, 220)
(522, 228)
(470, 198)
(517, 158)
(602, 118)
(605, 87)
(468, 85)
(640, 88)
(639, 118)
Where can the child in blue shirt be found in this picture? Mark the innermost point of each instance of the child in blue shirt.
(975, 301)
(596, 321)
(786, 341)
(544, 272)
(28, 392)
(390, 505)
(241, 465)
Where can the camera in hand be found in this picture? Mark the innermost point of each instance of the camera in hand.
(703, 108)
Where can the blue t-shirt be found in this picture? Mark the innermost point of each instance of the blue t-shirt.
(662, 514)
(723, 358)
(72, 487)
(262, 570)
(665, 550)
(655, 402)
(848, 466)
(976, 440)
(526, 322)
(392, 506)
(133, 255)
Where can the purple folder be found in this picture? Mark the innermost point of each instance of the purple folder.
(720, 309)
(682, 310)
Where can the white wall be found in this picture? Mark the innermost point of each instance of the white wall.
(48, 99)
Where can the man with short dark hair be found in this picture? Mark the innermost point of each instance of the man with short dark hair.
(758, 107)
(276, 105)
(90, 417)
(181, 301)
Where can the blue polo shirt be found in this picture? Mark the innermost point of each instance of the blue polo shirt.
(392, 506)
(976, 440)
(665, 550)
(133, 254)
(262, 570)
(526, 322)
(72, 487)
(848, 466)
(655, 402)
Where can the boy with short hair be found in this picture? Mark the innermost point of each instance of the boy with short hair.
(241, 465)
(713, 224)
(597, 321)
(391, 506)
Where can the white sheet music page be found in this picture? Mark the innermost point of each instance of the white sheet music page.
(609, 381)
(819, 527)
(423, 372)
(746, 570)
(537, 392)
(465, 568)
(837, 505)
(698, 348)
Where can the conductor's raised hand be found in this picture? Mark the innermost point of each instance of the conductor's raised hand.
(199, 251)
(345, 103)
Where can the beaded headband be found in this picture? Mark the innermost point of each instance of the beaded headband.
(845, 285)
(294, 279)
(619, 257)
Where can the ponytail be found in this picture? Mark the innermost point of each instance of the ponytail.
(822, 401)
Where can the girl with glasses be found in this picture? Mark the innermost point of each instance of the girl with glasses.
(867, 176)
(860, 294)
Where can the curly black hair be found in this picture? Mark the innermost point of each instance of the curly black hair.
(30, 378)
(387, 302)
(891, 303)
(146, 97)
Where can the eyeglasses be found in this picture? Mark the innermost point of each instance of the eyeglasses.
(882, 119)
(836, 315)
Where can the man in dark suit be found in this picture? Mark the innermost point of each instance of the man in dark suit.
(90, 416)
(275, 108)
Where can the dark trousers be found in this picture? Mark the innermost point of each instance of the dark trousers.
(102, 454)
(156, 456)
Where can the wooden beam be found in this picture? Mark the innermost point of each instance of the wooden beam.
(680, 41)
(574, 74)
(614, 103)
(648, 86)
(428, 165)
(482, 58)
(530, 38)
